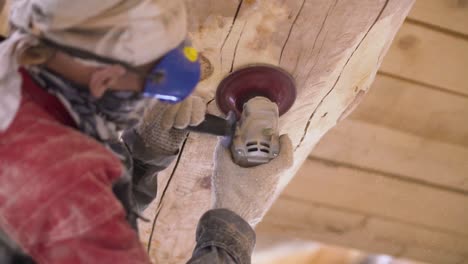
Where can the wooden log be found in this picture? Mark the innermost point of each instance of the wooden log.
(382, 195)
(332, 48)
(315, 221)
(446, 15)
(429, 57)
(392, 152)
(4, 17)
(422, 111)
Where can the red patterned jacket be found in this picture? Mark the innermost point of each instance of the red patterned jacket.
(56, 198)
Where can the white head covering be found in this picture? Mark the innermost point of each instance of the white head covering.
(133, 31)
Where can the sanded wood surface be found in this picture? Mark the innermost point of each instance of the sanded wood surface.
(332, 48)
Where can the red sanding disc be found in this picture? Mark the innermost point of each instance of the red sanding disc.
(258, 80)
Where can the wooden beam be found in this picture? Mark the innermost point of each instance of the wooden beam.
(315, 221)
(417, 109)
(450, 15)
(309, 253)
(397, 154)
(381, 195)
(429, 57)
(4, 17)
(332, 48)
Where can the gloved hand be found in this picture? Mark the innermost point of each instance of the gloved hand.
(163, 126)
(249, 192)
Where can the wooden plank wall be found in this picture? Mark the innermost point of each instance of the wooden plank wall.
(314, 253)
(3, 17)
(393, 177)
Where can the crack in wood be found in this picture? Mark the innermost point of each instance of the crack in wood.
(318, 35)
(324, 39)
(174, 170)
(236, 14)
(313, 66)
(158, 210)
(306, 130)
(318, 56)
(234, 51)
(237, 47)
(291, 29)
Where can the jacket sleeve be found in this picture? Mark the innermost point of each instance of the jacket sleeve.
(147, 163)
(223, 237)
(56, 199)
(113, 241)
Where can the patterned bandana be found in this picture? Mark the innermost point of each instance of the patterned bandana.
(103, 118)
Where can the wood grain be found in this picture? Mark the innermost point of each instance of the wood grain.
(451, 15)
(429, 57)
(4, 17)
(371, 147)
(332, 48)
(415, 109)
(377, 194)
(315, 221)
(296, 253)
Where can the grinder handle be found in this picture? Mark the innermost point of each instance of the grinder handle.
(214, 125)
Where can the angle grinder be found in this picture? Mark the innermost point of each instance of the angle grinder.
(256, 96)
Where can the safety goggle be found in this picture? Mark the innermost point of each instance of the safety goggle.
(172, 79)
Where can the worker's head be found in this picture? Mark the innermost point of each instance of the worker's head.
(102, 43)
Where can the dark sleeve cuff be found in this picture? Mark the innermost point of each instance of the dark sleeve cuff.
(146, 154)
(226, 230)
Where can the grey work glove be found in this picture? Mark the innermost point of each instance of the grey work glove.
(163, 128)
(249, 192)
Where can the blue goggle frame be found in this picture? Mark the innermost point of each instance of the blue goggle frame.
(178, 74)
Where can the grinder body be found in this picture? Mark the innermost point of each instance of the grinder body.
(256, 138)
(258, 95)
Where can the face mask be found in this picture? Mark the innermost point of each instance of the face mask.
(101, 118)
(172, 79)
